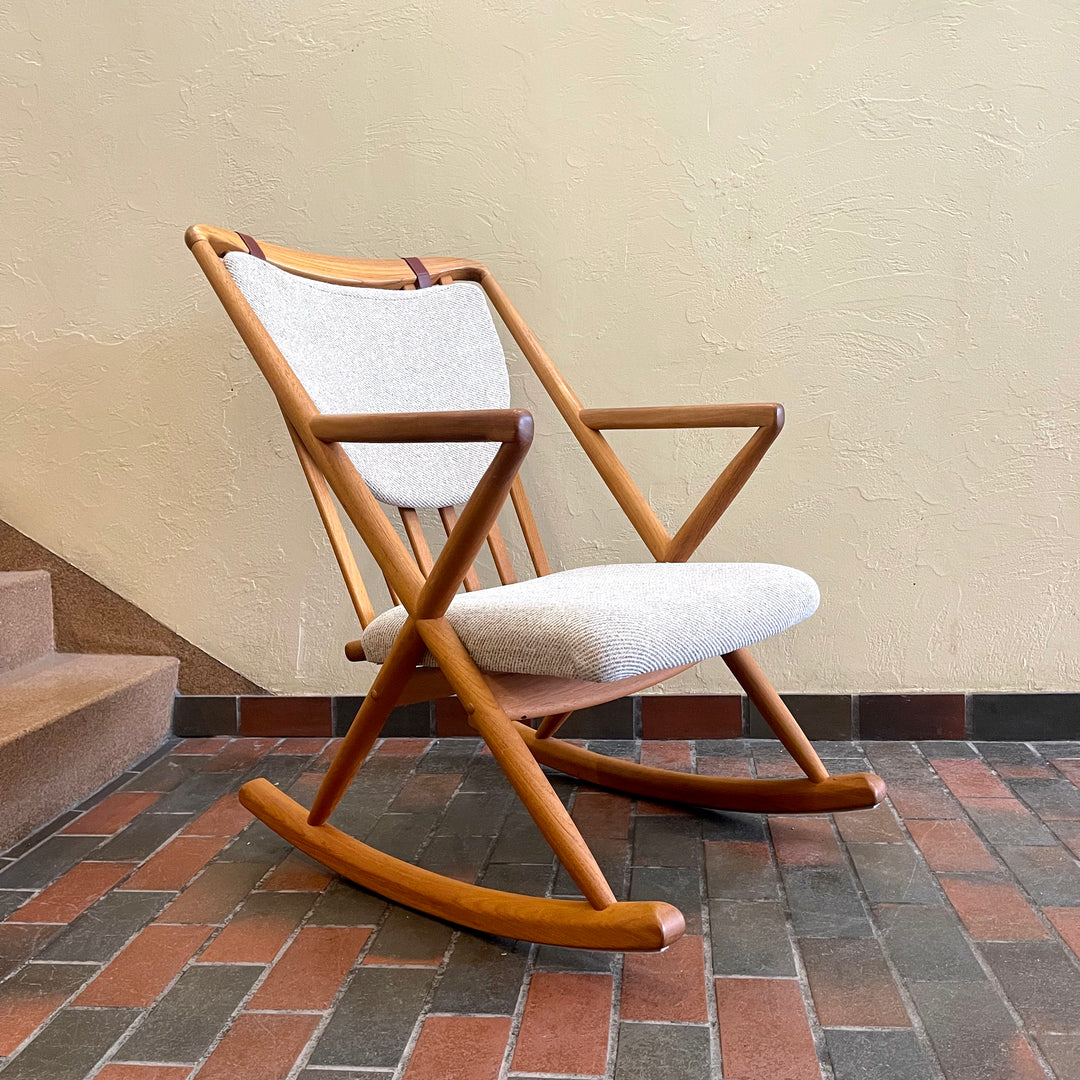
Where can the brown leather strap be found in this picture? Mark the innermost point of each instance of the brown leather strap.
(423, 278)
(252, 245)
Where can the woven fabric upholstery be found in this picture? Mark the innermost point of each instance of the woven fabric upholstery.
(385, 351)
(602, 623)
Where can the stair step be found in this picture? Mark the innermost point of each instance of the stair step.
(26, 617)
(70, 722)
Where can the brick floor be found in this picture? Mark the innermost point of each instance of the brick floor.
(166, 935)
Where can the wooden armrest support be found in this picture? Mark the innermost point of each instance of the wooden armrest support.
(478, 425)
(766, 414)
(767, 418)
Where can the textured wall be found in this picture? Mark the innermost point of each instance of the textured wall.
(865, 209)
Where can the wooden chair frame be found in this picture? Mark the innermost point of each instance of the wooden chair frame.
(498, 704)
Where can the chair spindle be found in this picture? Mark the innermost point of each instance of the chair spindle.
(449, 520)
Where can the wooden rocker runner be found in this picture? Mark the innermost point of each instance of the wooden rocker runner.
(397, 393)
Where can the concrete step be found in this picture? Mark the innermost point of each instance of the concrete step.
(70, 723)
(26, 617)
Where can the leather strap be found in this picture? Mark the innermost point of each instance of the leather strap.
(423, 278)
(252, 245)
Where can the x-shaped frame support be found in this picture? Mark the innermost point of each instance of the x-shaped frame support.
(768, 419)
(427, 628)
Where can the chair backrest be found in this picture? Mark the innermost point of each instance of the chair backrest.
(372, 350)
(334, 334)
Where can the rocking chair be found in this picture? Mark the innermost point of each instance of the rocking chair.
(394, 388)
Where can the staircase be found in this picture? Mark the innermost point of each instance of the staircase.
(68, 722)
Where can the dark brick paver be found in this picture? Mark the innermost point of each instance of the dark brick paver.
(157, 932)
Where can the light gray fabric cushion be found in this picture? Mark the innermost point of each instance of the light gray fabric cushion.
(602, 623)
(384, 351)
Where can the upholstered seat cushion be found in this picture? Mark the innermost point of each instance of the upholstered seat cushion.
(602, 623)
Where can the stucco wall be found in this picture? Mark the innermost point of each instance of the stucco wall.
(865, 209)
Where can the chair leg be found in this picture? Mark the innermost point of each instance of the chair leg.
(769, 703)
(544, 806)
(550, 724)
(517, 762)
(406, 653)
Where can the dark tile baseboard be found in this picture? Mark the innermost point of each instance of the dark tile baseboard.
(821, 716)
(999, 717)
(1046, 716)
(919, 716)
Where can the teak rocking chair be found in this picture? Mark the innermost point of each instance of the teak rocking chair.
(397, 392)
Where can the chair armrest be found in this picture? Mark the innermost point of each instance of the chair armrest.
(511, 427)
(477, 425)
(766, 414)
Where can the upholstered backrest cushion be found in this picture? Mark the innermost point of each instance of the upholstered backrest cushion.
(383, 351)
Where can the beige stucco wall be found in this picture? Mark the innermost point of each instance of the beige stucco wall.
(865, 209)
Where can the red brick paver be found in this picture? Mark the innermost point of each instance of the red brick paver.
(565, 1025)
(322, 762)
(254, 939)
(72, 894)
(779, 768)
(667, 986)
(602, 813)
(425, 790)
(876, 826)
(176, 863)
(298, 873)
(951, 845)
(1024, 772)
(145, 967)
(804, 841)
(923, 799)
(402, 747)
(305, 746)
(259, 1046)
(723, 766)
(111, 814)
(662, 754)
(1069, 767)
(764, 1030)
(309, 973)
(1067, 923)
(992, 910)
(240, 755)
(19, 941)
(225, 818)
(459, 1048)
(969, 778)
